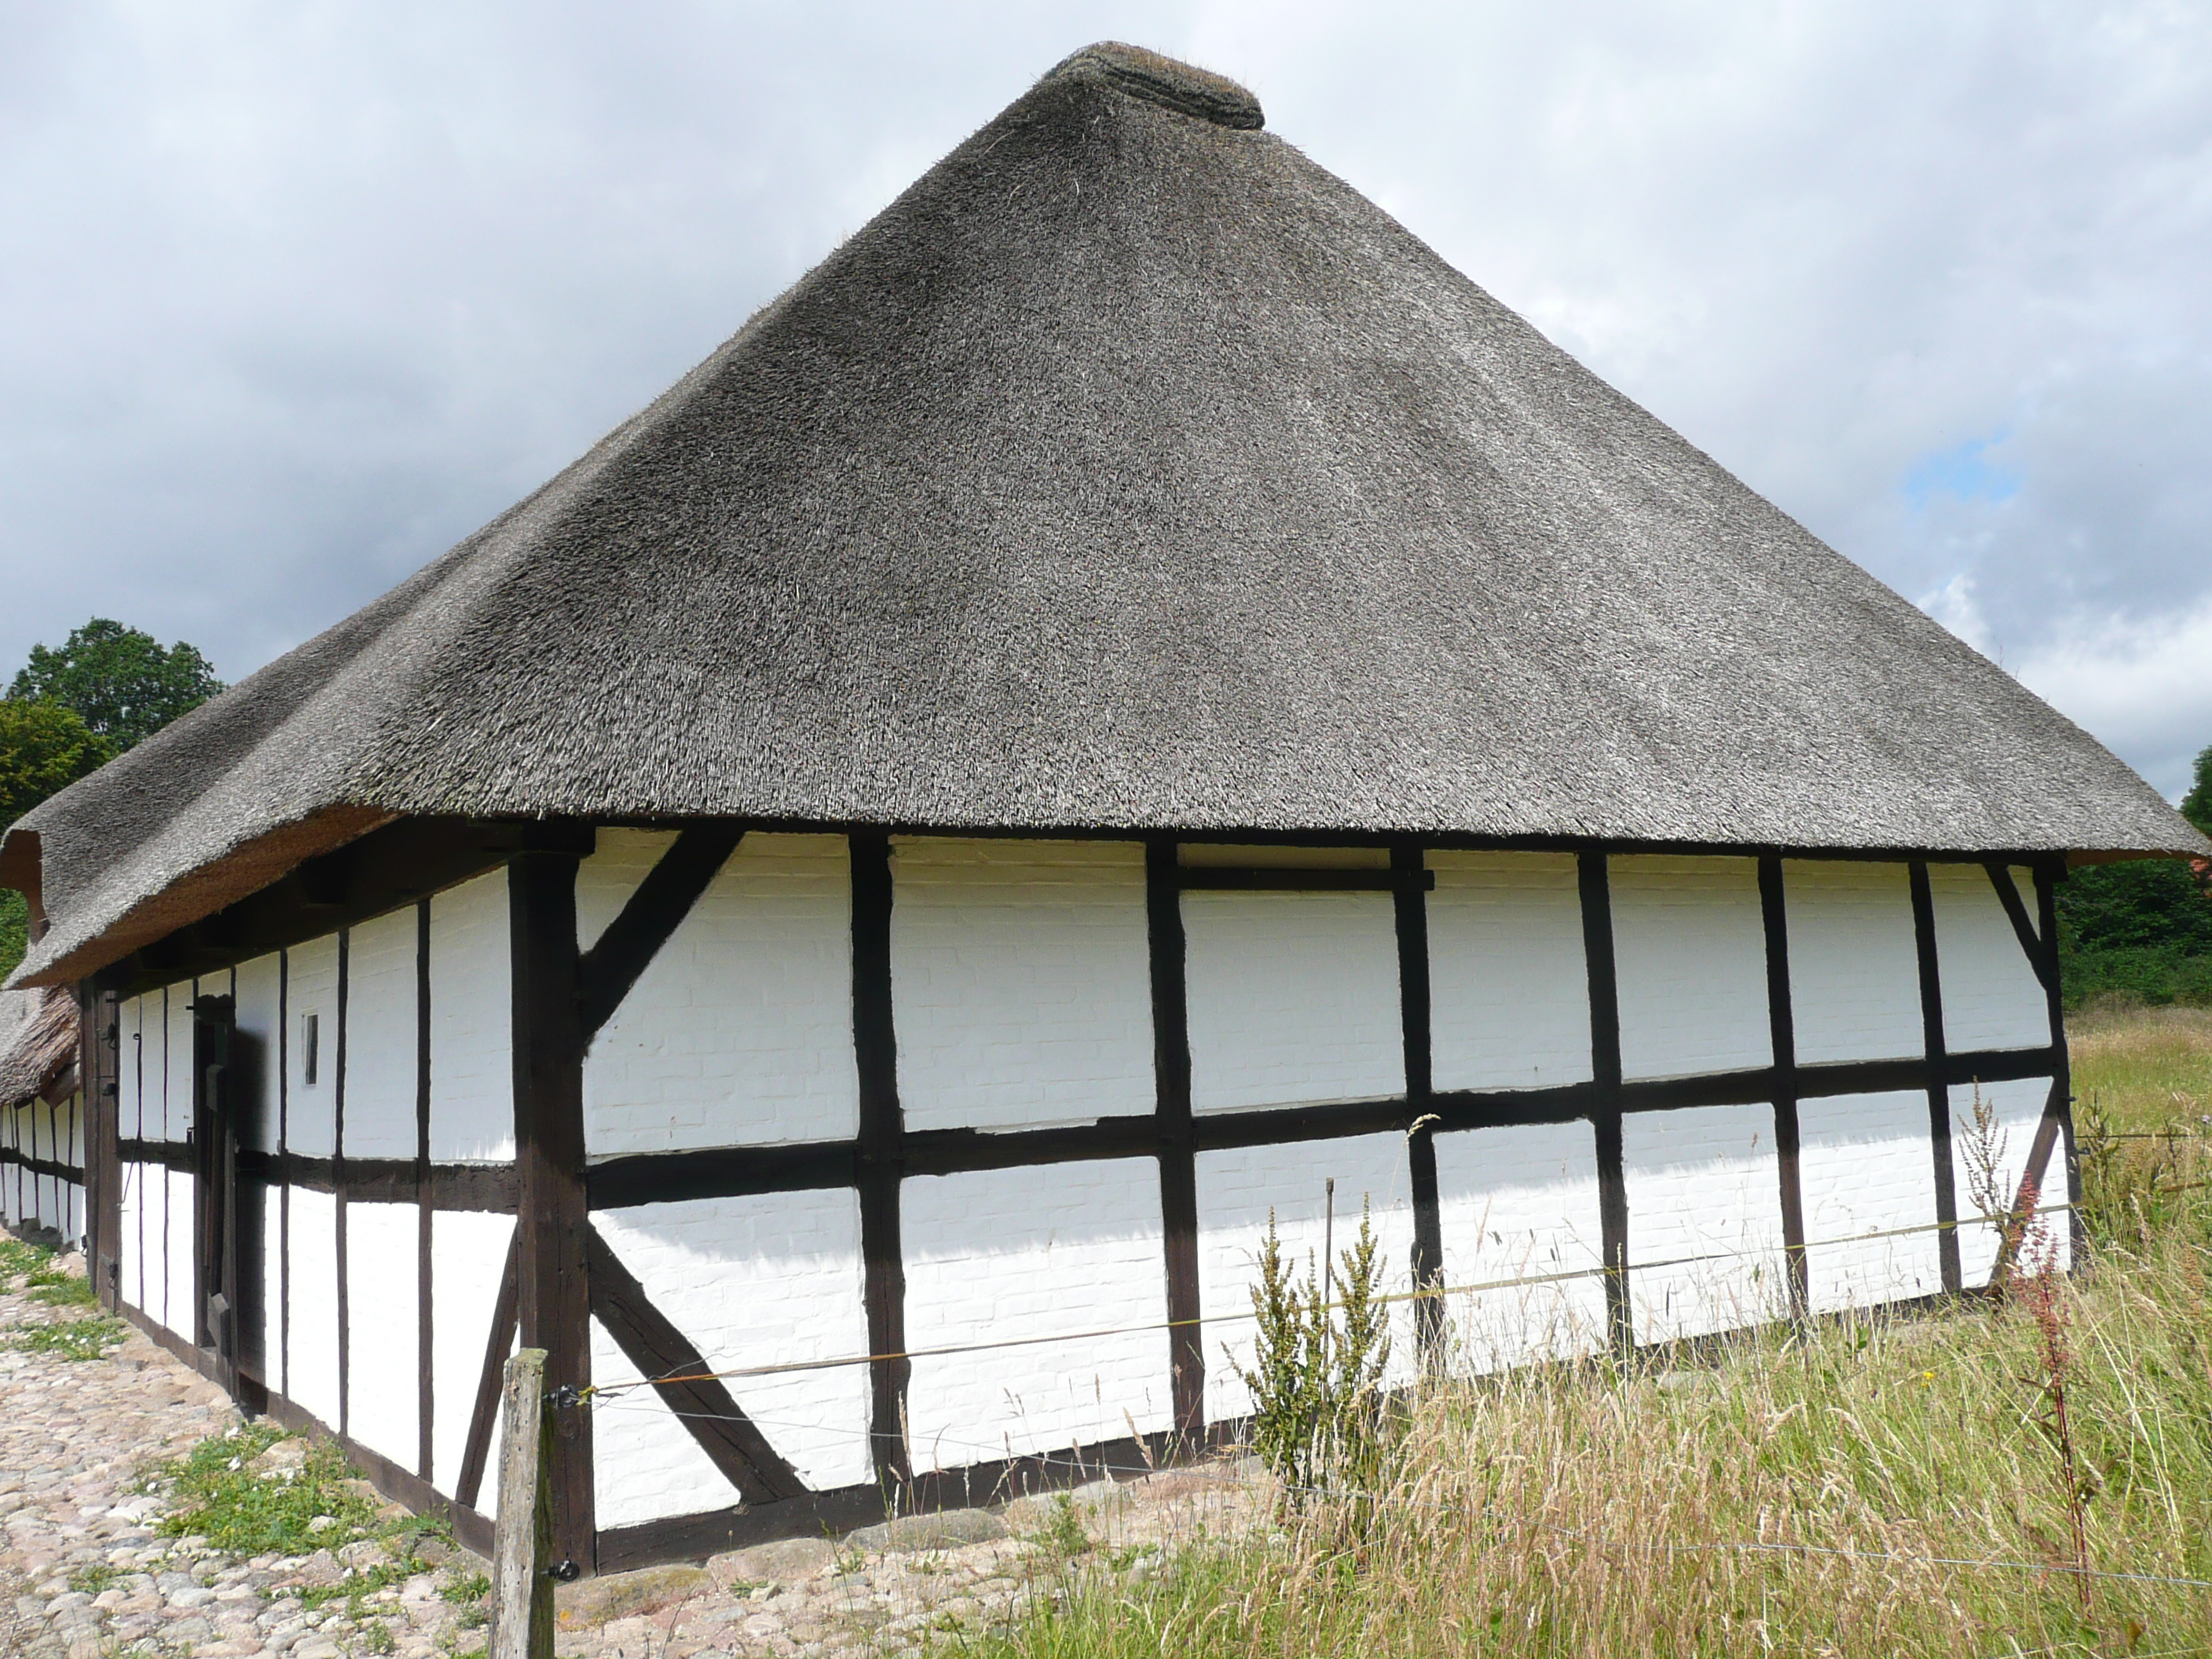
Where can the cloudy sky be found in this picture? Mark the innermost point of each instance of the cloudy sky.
(295, 296)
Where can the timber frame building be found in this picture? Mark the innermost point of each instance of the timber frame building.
(1132, 690)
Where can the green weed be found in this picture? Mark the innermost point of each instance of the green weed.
(93, 1579)
(214, 1494)
(462, 1591)
(69, 1339)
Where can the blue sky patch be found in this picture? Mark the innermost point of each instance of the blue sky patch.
(1965, 473)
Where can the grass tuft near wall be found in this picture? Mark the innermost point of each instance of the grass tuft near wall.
(1872, 1486)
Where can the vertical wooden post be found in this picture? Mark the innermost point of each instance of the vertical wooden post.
(522, 1552)
(882, 1158)
(553, 1294)
(1408, 865)
(1178, 1160)
(1595, 883)
(2047, 878)
(1782, 1025)
(1939, 1093)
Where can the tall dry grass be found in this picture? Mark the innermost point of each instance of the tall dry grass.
(1872, 1486)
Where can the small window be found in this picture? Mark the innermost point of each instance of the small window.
(310, 1042)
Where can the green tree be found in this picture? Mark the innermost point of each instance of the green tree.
(2197, 804)
(122, 683)
(44, 748)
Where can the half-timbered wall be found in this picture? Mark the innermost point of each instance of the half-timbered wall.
(929, 1159)
(42, 1166)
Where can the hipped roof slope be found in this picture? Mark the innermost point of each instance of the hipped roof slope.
(1129, 471)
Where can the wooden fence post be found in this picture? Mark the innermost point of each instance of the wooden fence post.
(522, 1553)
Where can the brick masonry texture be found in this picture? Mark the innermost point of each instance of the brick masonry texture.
(1991, 997)
(1011, 1254)
(1020, 981)
(1508, 991)
(1521, 1203)
(1690, 950)
(1703, 1182)
(471, 1005)
(1864, 1167)
(740, 1032)
(1854, 969)
(754, 1281)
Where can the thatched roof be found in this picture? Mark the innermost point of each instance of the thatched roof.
(1130, 470)
(38, 1043)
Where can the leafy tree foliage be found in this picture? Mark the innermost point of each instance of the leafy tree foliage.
(122, 683)
(44, 747)
(2144, 927)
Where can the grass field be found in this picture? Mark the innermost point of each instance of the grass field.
(1929, 1483)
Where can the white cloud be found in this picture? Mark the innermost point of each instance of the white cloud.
(2145, 688)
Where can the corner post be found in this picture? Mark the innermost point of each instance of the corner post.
(1593, 882)
(1410, 901)
(1177, 1147)
(553, 1291)
(882, 1162)
(1782, 1025)
(1939, 1093)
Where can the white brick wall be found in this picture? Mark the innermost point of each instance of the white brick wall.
(178, 1311)
(467, 1250)
(1703, 1182)
(1009, 1254)
(254, 1058)
(1236, 1189)
(2018, 1105)
(1690, 956)
(1991, 997)
(1508, 985)
(131, 1229)
(1854, 969)
(311, 974)
(1020, 981)
(314, 1351)
(1293, 998)
(277, 1363)
(381, 1038)
(740, 1032)
(471, 1021)
(383, 1324)
(606, 881)
(751, 1282)
(1864, 1165)
(132, 1059)
(1521, 1203)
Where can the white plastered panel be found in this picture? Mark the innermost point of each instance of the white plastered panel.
(1865, 1168)
(274, 1302)
(177, 1050)
(383, 1329)
(314, 1351)
(1007, 1254)
(131, 1229)
(253, 1053)
(468, 1251)
(311, 994)
(178, 1306)
(1521, 1204)
(768, 1281)
(1293, 998)
(1690, 958)
(1508, 987)
(471, 1016)
(2015, 1110)
(1021, 981)
(620, 861)
(1704, 1197)
(740, 1031)
(1854, 969)
(1235, 1191)
(381, 1038)
(1991, 997)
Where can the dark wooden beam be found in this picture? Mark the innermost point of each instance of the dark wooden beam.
(426, 1396)
(2057, 1124)
(879, 1148)
(654, 912)
(1781, 1028)
(338, 1169)
(498, 1342)
(1176, 1140)
(1939, 1093)
(1594, 883)
(1410, 902)
(555, 1289)
(678, 1373)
